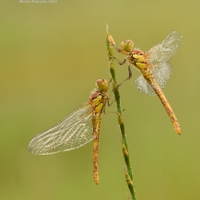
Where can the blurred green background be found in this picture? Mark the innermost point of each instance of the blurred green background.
(50, 56)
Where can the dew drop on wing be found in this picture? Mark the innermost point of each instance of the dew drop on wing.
(143, 86)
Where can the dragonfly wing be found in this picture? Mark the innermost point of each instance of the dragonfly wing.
(161, 73)
(73, 132)
(143, 86)
(165, 50)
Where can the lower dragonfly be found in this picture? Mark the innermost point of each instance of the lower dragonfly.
(77, 129)
(154, 66)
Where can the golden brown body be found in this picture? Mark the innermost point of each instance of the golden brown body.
(154, 66)
(78, 128)
(98, 100)
(138, 58)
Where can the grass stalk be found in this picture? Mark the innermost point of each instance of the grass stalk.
(128, 170)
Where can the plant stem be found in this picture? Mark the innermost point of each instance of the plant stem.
(128, 171)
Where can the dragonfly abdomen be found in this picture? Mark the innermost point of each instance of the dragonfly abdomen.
(166, 105)
(97, 121)
(98, 101)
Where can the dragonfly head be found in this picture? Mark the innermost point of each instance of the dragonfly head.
(102, 84)
(127, 46)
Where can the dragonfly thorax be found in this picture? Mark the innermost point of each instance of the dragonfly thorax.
(98, 100)
(137, 58)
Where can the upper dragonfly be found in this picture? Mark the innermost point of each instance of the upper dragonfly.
(155, 68)
(77, 129)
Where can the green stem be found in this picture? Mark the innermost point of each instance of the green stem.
(128, 170)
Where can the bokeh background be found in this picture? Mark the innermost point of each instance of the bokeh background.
(50, 56)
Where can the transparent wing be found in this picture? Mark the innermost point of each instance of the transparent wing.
(165, 50)
(73, 132)
(143, 86)
(161, 74)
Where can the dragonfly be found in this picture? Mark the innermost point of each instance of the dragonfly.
(78, 128)
(154, 66)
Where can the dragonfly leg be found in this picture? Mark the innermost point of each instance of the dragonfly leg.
(118, 61)
(129, 72)
(117, 49)
(122, 62)
(129, 76)
(110, 103)
(110, 81)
